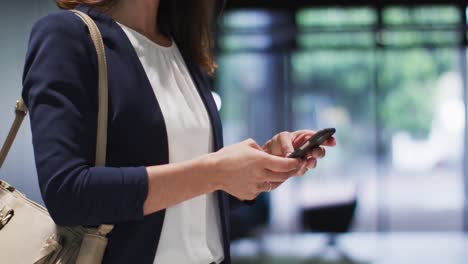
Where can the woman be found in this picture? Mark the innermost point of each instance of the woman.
(168, 183)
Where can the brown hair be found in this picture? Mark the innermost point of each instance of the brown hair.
(189, 23)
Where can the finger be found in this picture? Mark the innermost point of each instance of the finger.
(271, 176)
(303, 133)
(284, 140)
(280, 164)
(331, 142)
(269, 186)
(317, 153)
(302, 170)
(250, 142)
(311, 163)
(267, 146)
(301, 137)
(275, 185)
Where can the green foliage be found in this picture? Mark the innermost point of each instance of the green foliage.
(407, 86)
(406, 78)
(429, 15)
(407, 82)
(342, 39)
(348, 76)
(414, 37)
(326, 17)
(408, 108)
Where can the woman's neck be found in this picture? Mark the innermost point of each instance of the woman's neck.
(141, 16)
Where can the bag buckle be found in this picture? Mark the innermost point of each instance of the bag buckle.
(7, 187)
(21, 107)
(5, 216)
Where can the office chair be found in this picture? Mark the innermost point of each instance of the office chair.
(333, 219)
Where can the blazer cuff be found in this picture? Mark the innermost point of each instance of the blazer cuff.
(128, 190)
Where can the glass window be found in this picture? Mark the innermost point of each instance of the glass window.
(335, 27)
(417, 37)
(427, 15)
(396, 108)
(422, 113)
(336, 40)
(249, 84)
(412, 26)
(254, 30)
(251, 73)
(335, 88)
(251, 19)
(336, 17)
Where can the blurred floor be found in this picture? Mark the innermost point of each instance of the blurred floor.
(425, 202)
(368, 248)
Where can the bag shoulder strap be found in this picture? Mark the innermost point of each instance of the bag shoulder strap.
(20, 112)
(21, 109)
(101, 141)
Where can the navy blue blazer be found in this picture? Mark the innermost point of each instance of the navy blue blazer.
(60, 89)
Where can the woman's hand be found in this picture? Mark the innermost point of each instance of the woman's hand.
(284, 144)
(245, 170)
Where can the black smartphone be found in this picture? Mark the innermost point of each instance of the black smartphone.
(314, 142)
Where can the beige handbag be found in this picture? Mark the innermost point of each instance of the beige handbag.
(27, 232)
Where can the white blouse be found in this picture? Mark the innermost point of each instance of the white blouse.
(191, 231)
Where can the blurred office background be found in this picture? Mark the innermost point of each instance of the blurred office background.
(389, 75)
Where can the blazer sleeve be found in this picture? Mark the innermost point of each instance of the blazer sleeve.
(235, 203)
(60, 89)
